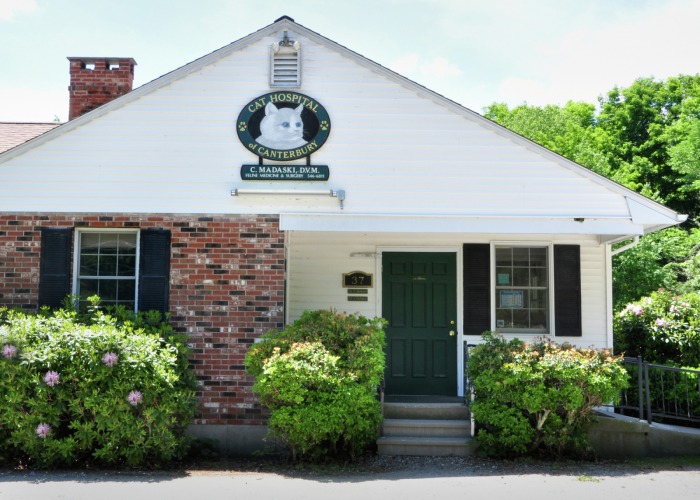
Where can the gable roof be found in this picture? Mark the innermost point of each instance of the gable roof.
(641, 210)
(14, 133)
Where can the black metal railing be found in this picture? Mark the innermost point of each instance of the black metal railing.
(662, 393)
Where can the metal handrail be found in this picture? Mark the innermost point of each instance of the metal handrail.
(655, 401)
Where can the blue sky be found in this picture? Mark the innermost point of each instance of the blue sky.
(475, 52)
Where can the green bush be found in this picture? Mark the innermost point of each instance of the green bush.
(319, 379)
(537, 399)
(90, 388)
(662, 328)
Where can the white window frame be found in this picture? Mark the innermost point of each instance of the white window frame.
(550, 287)
(76, 256)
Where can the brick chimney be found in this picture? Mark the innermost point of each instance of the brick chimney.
(95, 81)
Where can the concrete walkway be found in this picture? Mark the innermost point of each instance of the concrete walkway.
(403, 484)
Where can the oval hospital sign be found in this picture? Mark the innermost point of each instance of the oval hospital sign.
(283, 126)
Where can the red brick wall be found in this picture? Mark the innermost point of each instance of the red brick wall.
(226, 289)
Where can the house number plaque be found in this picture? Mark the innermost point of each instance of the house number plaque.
(357, 279)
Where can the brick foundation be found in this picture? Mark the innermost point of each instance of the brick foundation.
(226, 289)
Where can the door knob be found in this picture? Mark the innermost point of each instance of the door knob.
(452, 333)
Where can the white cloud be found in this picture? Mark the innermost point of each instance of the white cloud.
(8, 8)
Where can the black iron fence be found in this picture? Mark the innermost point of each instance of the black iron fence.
(660, 393)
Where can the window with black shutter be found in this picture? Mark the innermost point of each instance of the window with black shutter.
(106, 265)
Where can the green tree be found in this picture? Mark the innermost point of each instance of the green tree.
(667, 259)
(569, 130)
(644, 123)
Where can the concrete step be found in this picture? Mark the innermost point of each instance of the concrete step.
(426, 428)
(426, 446)
(426, 411)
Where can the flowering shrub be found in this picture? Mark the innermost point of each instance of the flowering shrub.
(95, 388)
(319, 378)
(662, 328)
(537, 398)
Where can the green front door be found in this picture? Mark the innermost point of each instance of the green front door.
(420, 303)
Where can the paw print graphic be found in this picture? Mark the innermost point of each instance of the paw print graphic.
(242, 126)
(324, 125)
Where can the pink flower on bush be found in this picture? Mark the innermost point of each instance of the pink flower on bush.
(660, 322)
(52, 378)
(9, 351)
(135, 398)
(43, 430)
(634, 308)
(110, 359)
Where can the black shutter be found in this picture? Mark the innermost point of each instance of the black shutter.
(477, 288)
(154, 270)
(54, 266)
(567, 291)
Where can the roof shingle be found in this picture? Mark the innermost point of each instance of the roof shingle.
(14, 134)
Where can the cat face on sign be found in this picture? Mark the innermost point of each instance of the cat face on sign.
(282, 128)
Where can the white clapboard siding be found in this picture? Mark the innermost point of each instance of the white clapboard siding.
(318, 260)
(393, 149)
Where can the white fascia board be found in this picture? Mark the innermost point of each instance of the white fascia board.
(652, 217)
(457, 224)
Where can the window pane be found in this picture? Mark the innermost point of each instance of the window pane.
(126, 265)
(504, 318)
(503, 276)
(538, 277)
(89, 242)
(521, 318)
(108, 265)
(88, 265)
(108, 291)
(504, 256)
(521, 277)
(538, 319)
(87, 288)
(125, 291)
(521, 257)
(538, 257)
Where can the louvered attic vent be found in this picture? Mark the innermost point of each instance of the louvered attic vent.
(285, 63)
